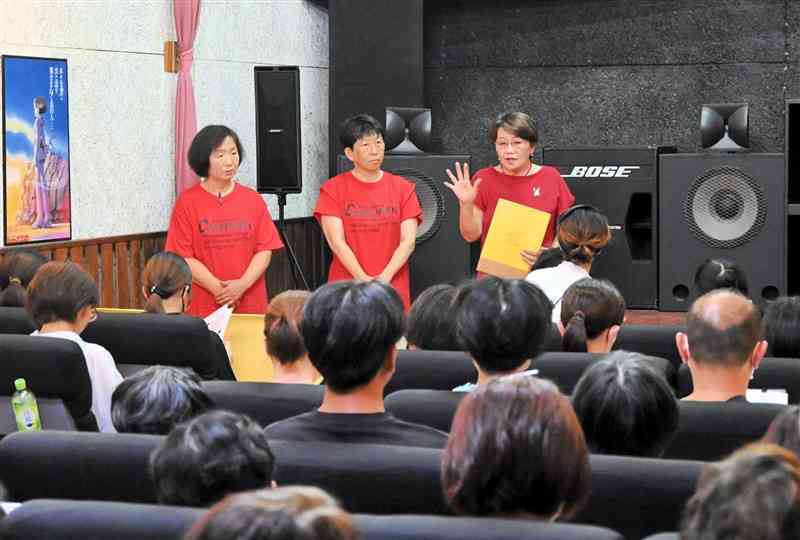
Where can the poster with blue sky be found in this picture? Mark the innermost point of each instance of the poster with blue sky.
(36, 150)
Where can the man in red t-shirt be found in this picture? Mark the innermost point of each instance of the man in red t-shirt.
(369, 216)
(515, 178)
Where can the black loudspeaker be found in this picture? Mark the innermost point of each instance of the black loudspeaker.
(441, 254)
(792, 142)
(622, 183)
(278, 163)
(730, 206)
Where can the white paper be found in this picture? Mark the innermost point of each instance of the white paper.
(218, 321)
(778, 396)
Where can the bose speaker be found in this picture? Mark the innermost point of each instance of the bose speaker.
(441, 254)
(278, 130)
(728, 206)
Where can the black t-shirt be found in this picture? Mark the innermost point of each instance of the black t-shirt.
(371, 428)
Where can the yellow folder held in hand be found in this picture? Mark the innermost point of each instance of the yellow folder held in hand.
(514, 227)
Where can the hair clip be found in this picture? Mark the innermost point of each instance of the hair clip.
(15, 280)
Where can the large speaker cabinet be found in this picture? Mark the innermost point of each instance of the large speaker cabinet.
(792, 142)
(441, 254)
(730, 206)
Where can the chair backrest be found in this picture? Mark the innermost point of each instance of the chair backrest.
(52, 413)
(149, 339)
(265, 402)
(14, 320)
(53, 368)
(435, 408)
(664, 536)
(709, 431)
(67, 520)
(652, 340)
(431, 370)
(771, 373)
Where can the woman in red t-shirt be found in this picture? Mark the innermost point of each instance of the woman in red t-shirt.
(515, 178)
(222, 229)
(369, 216)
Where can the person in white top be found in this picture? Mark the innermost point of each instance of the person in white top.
(582, 233)
(61, 302)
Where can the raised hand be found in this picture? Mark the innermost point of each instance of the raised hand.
(461, 185)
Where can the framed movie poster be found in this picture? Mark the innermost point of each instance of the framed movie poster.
(35, 150)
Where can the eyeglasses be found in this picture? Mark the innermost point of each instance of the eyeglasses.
(94, 315)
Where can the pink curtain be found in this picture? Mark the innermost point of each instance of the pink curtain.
(186, 15)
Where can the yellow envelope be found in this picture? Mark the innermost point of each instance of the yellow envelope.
(514, 227)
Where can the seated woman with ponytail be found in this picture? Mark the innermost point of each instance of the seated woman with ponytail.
(167, 288)
(582, 233)
(19, 268)
(592, 312)
(285, 346)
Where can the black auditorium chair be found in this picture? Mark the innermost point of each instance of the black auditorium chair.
(433, 370)
(136, 339)
(434, 408)
(709, 431)
(652, 340)
(664, 536)
(52, 368)
(14, 320)
(53, 414)
(771, 373)
(265, 402)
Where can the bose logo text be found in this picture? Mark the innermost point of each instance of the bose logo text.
(609, 171)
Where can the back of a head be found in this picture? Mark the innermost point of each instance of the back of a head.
(588, 308)
(281, 326)
(165, 274)
(358, 126)
(349, 329)
(209, 457)
(781, 327)
(715, 274)
(784, 430)
(58, 291)
(752, 495)
(430, 321)
(515, 448)
(549, 258)
(723, 327)
(626, 407)
(20, 267)
(582, 233)
(156, 399)
(502, 323)
(284, 513)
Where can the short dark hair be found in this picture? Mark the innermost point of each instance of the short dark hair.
(521, 421)
(582, 233)
(715, 274)
(281, 332)
(626, 407)
(58, 292)
(753, 494)
(784, 430)
(430, 320)
(19, 267)
(729, 347)
(355, 127)
(502, 322)
(518, 123)
(588, 308)
(206, 140)
(349, 329)
(156, 399)
(780, 327)
(211, 456)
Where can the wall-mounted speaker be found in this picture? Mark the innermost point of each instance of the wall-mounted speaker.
(729, 206)
(278, 164)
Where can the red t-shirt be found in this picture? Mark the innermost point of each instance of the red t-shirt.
(544, 190)
(224, 234)
(371, 214)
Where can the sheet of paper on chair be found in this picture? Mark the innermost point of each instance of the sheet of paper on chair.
(218, 321)
(779, 396)
(514, 227)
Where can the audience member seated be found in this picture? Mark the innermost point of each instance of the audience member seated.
(785, 430)
(722, 345)
(715, 274)
(61, 303)
(156, 399)
(350, 330)
(502, 324)
(216, 454)
(626, 407)
(19, 268)
(592, 312)
(430, 320)
(167, 288)
(548, 258)
(287, 513)
(781, 327)
(752, 495)
(516, 449)
(582, 233)
(285, 346)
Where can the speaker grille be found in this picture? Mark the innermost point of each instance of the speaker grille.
(725, 208)
(430, 198)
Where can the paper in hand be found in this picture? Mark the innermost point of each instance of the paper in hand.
(218, 321)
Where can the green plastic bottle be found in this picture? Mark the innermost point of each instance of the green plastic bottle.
(26, 410)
